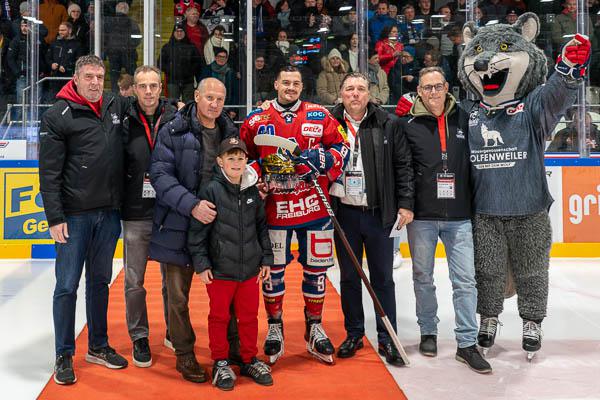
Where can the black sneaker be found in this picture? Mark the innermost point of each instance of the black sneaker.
(141, 353)
(223, 376)
(470, 356)
(64, 374)
(259, 371)
(428, 345)
(106, 356)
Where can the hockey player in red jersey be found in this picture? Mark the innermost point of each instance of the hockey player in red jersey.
(324, 153)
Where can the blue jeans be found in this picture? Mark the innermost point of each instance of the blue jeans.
(92, 239)
(457, 237)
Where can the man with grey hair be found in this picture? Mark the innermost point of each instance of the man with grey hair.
(120, 45)
(375, 190)
(442, 208)
(81, 177)
(182, 162)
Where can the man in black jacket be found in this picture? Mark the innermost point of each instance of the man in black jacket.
(144, 119)
(375, 189)
(81, 179)
(442, 209)
(182, 163)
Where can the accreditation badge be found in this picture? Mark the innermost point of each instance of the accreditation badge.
(354, 183)
(446, 186)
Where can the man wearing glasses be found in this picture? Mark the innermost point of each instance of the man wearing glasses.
(442, 209)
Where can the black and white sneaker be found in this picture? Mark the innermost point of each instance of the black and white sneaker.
(258, 371)
(64, 374)
(141, 353)
(106, 356)
(223, 376)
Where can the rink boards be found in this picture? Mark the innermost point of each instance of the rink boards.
(574, 183)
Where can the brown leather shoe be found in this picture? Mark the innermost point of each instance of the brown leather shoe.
(189, 368)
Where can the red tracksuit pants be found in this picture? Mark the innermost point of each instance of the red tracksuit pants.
(244, 296)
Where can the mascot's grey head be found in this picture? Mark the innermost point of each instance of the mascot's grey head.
(501, 62)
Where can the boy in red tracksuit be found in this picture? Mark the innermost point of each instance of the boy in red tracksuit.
(232, 254)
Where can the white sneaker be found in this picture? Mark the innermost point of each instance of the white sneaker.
(397, 260)
(167, 343)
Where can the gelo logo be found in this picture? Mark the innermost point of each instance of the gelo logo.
(24, 216)
(581, 204)
(314, 130)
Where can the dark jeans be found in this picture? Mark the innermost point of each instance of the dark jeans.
(364, 230)
(92, 239)
(179, 283)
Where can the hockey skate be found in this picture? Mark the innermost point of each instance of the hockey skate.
(487, 333)
(274, 342)
(532, 338)
(317, 342)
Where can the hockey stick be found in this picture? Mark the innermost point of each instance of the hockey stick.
(292, 147)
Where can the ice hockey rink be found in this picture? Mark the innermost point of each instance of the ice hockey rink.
(566, 368)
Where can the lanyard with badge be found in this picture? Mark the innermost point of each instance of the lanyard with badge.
(446, 181)
(354, 181)
(148, 191)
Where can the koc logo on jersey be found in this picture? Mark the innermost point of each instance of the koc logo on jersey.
(315, 116)
(312, 130)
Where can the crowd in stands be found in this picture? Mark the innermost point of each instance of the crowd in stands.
(318, 36)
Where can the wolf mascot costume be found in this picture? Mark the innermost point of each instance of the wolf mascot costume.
(504, 69)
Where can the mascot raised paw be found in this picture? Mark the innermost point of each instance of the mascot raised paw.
(516, 109)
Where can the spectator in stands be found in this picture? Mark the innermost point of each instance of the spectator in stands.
(403, 78)
(567, 139)
(263, 78)
(323, 13)
(278, 53)
(393, 11)
(217, 8)
(350, 55)
(380, 21)
(389, 48)
(522, 7)
(455, 35)
(379, 90)
(220, 70)
(81, 29)
(433, 58)
(52, 13)
(306, 20)
(181, 6)
(511, 16)
(195, 30)
(343, 28)
(121, 44)
(372, 8)
(17, 61)
(180, 61)
(61, 57)
(5, 81)
(494, 9)
(216, 40)
(25, 11)
(410, 32)
(263, 17)
(330, 78)
(424, 11)
(283, 11)
(480, 16)
(125, 84)
(565, 24)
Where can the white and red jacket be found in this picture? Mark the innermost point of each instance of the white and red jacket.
(311, 126)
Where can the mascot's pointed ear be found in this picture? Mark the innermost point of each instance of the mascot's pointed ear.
(529, 24)
(469, 32)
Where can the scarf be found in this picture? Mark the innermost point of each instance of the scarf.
(219, 71)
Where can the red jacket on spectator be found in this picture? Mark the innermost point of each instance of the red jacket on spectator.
(197, 35)
(386, 51)
(180, 7)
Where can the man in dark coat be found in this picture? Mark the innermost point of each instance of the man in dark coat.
(182, 162)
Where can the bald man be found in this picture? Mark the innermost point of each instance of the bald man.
(182, 162)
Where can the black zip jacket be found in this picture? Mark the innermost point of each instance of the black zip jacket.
(64, 52)
(421, 130)
(236, 243)
(138, 152)
(386, 161)
(81, 157)
(180, 60)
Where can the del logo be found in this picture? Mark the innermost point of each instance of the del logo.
(24, 216)
(513, 110)
(314, 130)
(315, 116)
(3, 144)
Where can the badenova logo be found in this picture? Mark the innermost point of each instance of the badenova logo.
(23, 211)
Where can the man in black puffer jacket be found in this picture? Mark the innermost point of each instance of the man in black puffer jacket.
(228, 254)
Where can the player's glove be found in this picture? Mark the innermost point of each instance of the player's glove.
(404, 105)
(574, 57)
(312, 162)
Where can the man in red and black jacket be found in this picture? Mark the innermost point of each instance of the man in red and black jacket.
(81, 182)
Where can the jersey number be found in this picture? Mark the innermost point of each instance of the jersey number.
(266, 130)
